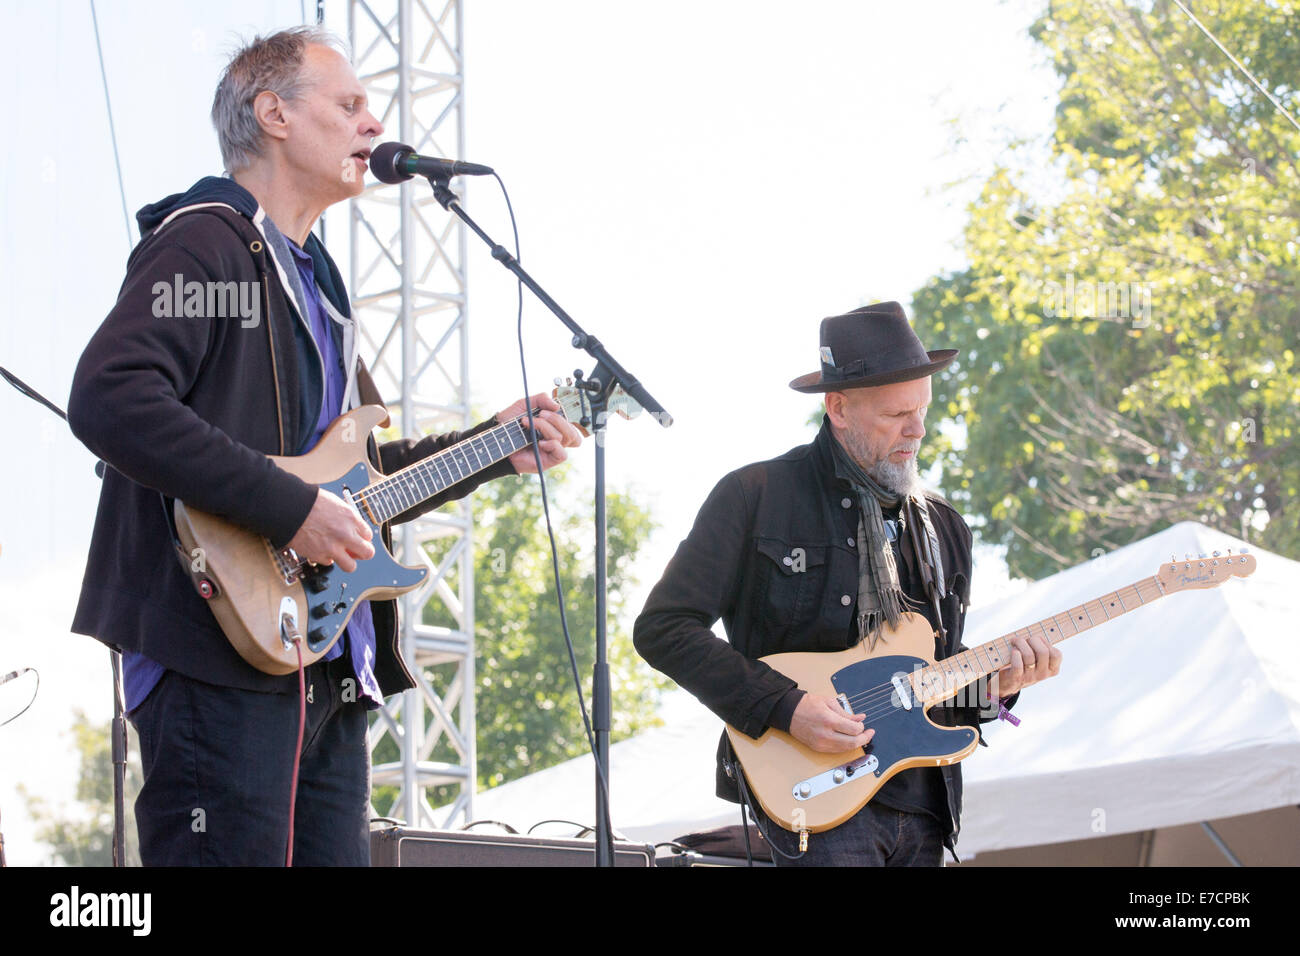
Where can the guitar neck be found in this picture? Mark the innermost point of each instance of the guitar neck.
(941, 681)
(417, 483)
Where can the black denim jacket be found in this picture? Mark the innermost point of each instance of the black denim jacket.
(741, 564)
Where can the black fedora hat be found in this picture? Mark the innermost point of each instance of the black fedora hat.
(873, 345)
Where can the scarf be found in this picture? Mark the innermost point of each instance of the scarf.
(880, 596)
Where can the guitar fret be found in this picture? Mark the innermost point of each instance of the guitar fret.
(425, 479)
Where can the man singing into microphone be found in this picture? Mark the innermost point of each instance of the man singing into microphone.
(189, 404)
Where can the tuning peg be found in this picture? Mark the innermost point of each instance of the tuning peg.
(1201, 555)
(557, 381)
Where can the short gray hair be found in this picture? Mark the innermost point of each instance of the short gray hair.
(267, 63)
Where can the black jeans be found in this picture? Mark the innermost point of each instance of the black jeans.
(874, 836)
(218, 766)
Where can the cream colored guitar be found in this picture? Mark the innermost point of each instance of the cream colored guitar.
(806, 792)
(263, 597)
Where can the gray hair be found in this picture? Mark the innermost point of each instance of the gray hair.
(268, 63)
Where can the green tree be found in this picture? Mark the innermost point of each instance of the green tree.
(526, 709)
(83, 835)
(1129, 333)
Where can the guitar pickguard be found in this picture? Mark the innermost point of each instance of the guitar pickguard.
(332, 593)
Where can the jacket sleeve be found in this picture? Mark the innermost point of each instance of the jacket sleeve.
(702, 583)
(398, 454)
(981, 690)
(127, 406)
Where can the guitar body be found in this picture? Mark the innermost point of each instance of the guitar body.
(802, 789)
(251, 585)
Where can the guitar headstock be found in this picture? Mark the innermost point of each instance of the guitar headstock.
(1203, 571)
(576, 405)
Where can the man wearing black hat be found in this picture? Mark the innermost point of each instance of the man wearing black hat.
(816, 550)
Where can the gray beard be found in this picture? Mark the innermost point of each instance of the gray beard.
(901, 479)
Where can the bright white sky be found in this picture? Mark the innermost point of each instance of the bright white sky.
(698, 183)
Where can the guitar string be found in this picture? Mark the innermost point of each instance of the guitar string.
(370, 493)
(874, 696)
(368, 496)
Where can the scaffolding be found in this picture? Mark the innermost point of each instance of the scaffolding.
(409, 296)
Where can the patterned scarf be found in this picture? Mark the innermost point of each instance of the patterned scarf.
(880, 596)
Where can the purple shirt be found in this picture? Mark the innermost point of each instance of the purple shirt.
(141, 674)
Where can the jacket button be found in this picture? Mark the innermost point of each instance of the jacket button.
(846, 503)
(846, 600)
(786, 561)
(851, 542)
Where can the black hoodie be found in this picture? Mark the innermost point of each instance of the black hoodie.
(190, 407)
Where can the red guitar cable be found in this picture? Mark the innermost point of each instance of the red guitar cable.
(297, 750)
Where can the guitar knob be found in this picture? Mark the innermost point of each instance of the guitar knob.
(805, 790)
(317, 635)
(315, 583)
(322, 610)
(838, 775)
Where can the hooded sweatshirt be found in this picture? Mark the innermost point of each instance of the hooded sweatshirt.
(205, 366)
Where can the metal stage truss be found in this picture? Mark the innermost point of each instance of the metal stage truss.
(409, 289)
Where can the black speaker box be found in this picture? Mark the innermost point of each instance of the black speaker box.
(400, 846)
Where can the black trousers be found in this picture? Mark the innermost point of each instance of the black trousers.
(218, 766)
(874, 836)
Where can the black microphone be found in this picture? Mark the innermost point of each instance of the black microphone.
(397, 162)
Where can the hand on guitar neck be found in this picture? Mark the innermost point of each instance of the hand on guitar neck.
(1032, 660)
(554, 430)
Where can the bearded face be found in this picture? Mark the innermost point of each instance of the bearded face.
(881, 428)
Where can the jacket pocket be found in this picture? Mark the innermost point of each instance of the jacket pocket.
(788, 601)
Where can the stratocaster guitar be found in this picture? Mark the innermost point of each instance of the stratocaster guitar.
(806, 792)
(262, 597)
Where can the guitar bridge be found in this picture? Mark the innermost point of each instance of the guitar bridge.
(287, 563)
(835, 777)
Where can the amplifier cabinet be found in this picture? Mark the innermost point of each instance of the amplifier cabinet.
(400, 846)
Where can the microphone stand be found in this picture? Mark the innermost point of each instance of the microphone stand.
(599, 385)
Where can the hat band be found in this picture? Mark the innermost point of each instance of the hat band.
(887, 360)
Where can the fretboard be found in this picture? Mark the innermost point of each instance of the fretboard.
(942, 680)
(417, 483)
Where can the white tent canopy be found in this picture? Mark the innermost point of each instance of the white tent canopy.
(1182, 711)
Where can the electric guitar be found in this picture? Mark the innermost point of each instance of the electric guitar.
(805, 791)
(266, 600)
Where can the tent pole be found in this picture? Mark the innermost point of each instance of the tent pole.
(1223, 847)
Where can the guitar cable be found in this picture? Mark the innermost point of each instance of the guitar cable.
(289, 630)
(746, 804)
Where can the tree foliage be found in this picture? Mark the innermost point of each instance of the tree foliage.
(1129, 335)
(83, 835)
(526, 709)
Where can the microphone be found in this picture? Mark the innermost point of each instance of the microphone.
(397, 162)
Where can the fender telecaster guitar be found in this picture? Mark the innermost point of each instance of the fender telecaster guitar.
(806, 791)
(262, 597)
